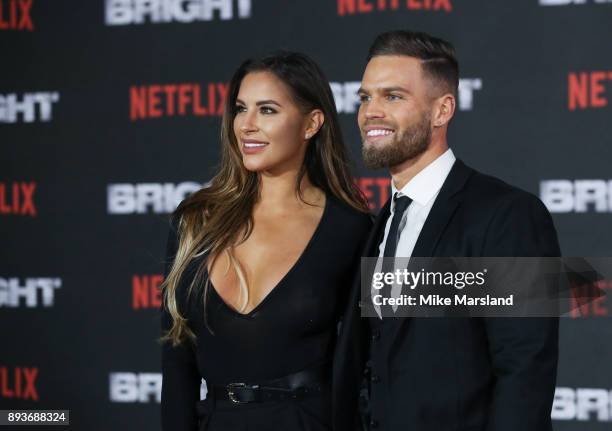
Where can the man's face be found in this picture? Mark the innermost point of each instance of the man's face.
(395, 113)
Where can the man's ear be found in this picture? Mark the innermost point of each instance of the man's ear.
(444, 109)
(314, 122)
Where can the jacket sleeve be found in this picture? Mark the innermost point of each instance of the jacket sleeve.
(524, 351)
(180, 376)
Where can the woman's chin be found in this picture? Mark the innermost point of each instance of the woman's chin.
(253, 166)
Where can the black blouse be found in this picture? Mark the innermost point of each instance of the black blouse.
(294, 327)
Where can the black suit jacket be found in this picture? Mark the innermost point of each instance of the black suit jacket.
(459, 374)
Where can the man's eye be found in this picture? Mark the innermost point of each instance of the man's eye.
(363, 98)
(267, 110)
(393, 97)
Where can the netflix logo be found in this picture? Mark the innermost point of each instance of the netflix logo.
(376, 189)
(169, 100)
(598, 307)
(587, 90)
(17, 198)
(352, 7)
(16, 15)
(145, 291)
(18, 383)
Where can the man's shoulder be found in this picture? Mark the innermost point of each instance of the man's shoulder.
(488, 188)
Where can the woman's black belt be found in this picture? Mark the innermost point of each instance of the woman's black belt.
(298, 385)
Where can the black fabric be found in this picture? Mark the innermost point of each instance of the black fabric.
(401, 204)
(459, 374)
(307, 414)
(239, 394)
(292, 329)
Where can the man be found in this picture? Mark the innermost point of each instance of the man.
(442, 374)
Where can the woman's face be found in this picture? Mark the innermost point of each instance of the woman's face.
(270, 129)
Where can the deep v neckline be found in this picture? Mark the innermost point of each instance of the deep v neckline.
(283, 279)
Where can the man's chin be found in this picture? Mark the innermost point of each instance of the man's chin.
(387, 157)
(373, 158)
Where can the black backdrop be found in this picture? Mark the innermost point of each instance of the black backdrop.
(109, 114)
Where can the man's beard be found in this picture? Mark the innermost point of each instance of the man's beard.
(411, 143)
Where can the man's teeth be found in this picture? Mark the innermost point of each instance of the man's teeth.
(253, 145)
(379, 132)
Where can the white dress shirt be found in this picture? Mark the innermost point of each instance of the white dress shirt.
(423, 190)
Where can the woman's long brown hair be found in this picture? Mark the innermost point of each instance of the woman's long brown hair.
(220, 215)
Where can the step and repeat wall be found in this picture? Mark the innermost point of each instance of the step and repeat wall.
(110, 114)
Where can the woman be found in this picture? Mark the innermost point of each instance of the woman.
(260, 262)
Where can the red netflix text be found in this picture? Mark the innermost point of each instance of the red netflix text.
(18, 382)
(145, 291)
(351, 7)
(16, 15)
(586, 307)
(169, 100)
(587, 90)
(17, 198)
(376, 190)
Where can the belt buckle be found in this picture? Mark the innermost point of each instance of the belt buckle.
(231, 393)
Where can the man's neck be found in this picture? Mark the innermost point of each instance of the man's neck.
(407, 170)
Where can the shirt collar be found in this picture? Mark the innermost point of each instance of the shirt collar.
(426, 184)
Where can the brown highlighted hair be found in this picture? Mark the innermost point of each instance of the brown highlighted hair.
(219, 216)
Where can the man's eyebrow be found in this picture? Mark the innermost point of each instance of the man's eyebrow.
(385, 90)
(395, 88)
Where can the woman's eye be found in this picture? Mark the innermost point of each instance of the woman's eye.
(267, 110)
(239, 108)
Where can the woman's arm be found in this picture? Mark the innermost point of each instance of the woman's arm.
(180, 376)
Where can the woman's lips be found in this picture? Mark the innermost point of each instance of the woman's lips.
(253, 147)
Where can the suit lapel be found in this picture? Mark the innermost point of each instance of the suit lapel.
(447, 202)
(442, 210)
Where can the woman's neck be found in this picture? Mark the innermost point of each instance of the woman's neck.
(279, 192)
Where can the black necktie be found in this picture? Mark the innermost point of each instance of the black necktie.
(401, 204)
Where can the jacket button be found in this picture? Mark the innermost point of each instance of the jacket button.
(375, 335)
(373, 424)
(375, 378)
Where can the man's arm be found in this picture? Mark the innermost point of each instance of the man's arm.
(523, 351)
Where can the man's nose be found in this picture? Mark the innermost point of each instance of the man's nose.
(373, 109)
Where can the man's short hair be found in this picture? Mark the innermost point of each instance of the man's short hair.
(438, 59)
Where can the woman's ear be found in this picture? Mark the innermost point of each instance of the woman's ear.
(314, 122)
